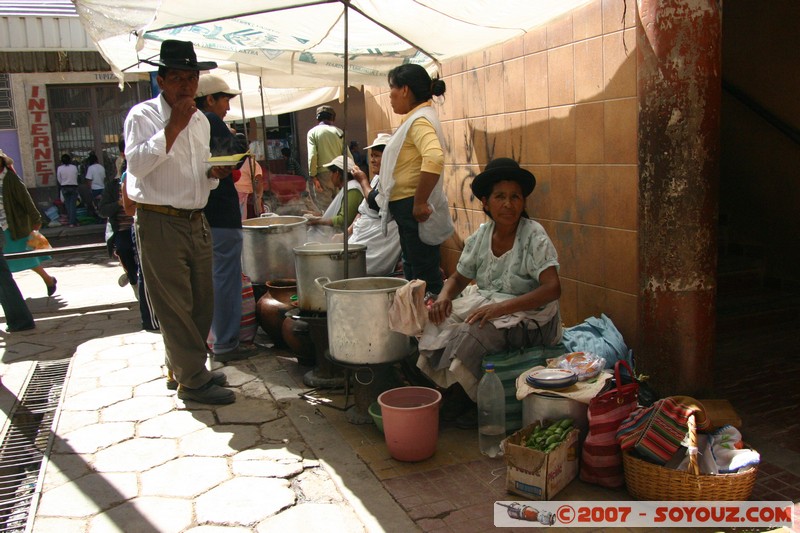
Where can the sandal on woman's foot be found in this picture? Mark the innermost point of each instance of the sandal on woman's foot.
(51, 289)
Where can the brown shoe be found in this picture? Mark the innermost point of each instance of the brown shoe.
(209, 393)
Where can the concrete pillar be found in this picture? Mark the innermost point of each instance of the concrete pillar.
(679, 79)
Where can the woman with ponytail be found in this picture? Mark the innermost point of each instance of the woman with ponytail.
(410, 188)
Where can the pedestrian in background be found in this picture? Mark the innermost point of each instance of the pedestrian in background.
(21, 217)
(325, 142)
(67, 177)
(96, 175)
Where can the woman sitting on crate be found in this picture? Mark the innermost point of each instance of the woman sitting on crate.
(514, 302)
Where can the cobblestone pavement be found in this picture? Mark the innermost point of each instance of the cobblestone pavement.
(128, 455)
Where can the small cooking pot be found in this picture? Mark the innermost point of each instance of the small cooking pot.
(314, 260)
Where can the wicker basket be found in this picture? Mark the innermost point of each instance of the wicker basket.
(648, 481)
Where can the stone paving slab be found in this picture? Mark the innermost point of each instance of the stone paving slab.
(129, 456)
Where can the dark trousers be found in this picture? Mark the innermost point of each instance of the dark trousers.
(18, 316)
(420, 260)
(146, 311)
(123, 244)
(70, 193)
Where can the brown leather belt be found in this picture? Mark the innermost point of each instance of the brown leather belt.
(171, 211)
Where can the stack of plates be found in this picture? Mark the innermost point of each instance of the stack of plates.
(551, 378)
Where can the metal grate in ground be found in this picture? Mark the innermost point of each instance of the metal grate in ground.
(27, 443)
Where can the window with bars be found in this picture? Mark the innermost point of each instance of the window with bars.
(7, 119)
(89, 118)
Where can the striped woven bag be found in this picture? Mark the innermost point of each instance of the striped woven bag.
(656, 432)
(601, 457)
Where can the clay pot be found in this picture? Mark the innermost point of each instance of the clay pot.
(271, 314)
(282, 289)
(296, 335)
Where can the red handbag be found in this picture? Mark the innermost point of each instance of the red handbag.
(601, 457)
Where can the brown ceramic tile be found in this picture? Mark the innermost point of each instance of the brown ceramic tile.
(474, 86)
(513, 48)
(456, 97)
(568, 300)
(587, 20)
(568, 240)
(493, 55)
(562, 135)
(590, 185)
(618, 15)
(495, 103)
(588, 69)
(536, 82)
(621, 266)
(560, 75)
(619, 65)
(535, 40)
(456, 185)
(563, 187)
(457, 147)
(589, 140)
(621, 197)
(536, 143)
(515, 131)
(513, 87)
(444, 104)
(538, 204)
(474, 60)
(621, 308)
(620, 131)
(453, 66)
(497, 140)
(559, 31)
(475, 138)
(591, 255)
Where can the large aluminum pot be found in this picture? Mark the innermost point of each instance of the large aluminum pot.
(358, 320)
(268, 246)
(314, 260)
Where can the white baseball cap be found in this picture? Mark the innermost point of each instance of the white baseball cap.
(381, 140)
(338, 162)
(213, 84)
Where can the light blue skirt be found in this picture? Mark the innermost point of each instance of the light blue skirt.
(20, 245)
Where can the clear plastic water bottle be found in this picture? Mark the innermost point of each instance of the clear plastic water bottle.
(491, 413)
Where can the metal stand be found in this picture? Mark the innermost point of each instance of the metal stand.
(369, 381)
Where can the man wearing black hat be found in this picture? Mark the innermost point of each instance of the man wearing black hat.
(166, 146)
(325, 142)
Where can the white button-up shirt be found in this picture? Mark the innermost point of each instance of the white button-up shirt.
(155, 176)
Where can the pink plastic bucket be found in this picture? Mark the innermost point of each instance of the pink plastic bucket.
(410, 422)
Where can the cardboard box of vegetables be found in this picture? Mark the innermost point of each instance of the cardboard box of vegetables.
(541, 459)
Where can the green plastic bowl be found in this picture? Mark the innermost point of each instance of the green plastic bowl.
(375, 413)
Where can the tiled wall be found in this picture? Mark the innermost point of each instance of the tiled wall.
(562, 100)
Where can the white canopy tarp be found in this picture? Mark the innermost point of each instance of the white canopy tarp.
(275, 101)
(295, 44)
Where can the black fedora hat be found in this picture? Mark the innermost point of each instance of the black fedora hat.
(502, 168)
(179, 55)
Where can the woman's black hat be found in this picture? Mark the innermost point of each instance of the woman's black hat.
(502, 168)
(179, 55)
